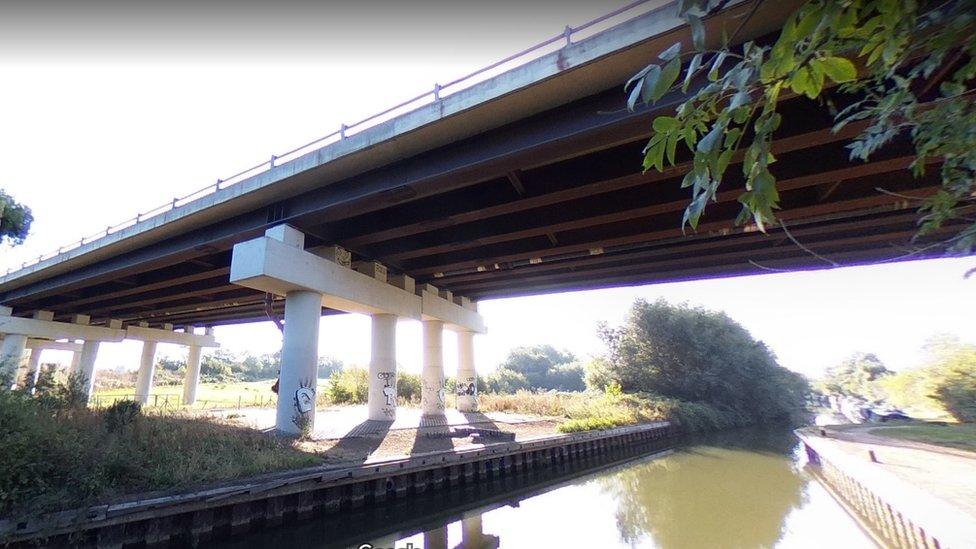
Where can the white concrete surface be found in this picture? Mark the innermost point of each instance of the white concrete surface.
(382, 401)
(432, 398)
(12, 354)
(192, 379)
(147, 367)
(86, 365)
(299, 362)
(467, 378)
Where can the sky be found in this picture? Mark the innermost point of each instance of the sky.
(112, 108)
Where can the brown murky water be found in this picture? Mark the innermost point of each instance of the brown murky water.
(736, 489)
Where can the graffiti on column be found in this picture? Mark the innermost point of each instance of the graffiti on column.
(468, 387)
(304, 404)
(389, 387)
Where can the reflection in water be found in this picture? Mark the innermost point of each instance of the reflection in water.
(735, 489)
(730, 490)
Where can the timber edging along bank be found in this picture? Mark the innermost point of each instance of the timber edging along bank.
(894, 512)
(271, 499)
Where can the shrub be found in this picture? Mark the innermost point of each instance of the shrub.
(120, 415)
(350, 386)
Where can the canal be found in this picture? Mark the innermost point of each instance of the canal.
(743, 488)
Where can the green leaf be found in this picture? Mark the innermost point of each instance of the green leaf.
(671, 52)
(649, 83)
(692, 68)
(665, 124)
(668, 76)
(838, 69)
(634, 96)
(697, 32)
(716, 64)
(711, 140)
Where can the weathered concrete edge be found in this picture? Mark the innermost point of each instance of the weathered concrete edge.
(940, 520)
(282, 484)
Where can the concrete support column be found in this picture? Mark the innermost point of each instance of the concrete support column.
(382, 369)
(86, 364)
(192, 375)
(432, 400)
(299, 363)
(75, 362)
(467, 378)
(436, 538)
(12, 356)
(34, 367)
(147, 365)
(472, 534)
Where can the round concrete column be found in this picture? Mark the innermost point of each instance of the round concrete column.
(472, 534)
(86, 364)
(432, 377)
(75, 362)
(34, 367)
(12, 356)
(147, 366)
(382, 368)
(192, 375)
(467, 379)
(436, 538)
(299, 363)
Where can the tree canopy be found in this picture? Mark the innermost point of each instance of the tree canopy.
(15, 220)
(537, 367)
(905, 67)
(697, 355)
(855, 376)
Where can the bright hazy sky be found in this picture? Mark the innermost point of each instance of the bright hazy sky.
(110, 117)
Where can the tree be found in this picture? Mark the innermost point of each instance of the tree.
(15, 220)
(696, 355)
(329, 365)
(856, 376)
(905, 66)
(542, 367)
(944, 386)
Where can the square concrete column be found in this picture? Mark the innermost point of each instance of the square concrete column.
(12, 356)
(382, 369)
(436, 538)
(472, 533)
(299, 363)
(86, 364)
(467, 379)
(75, 362)
(147, 367)
(192, 378)
(432, 378)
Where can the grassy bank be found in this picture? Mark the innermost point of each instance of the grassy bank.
(588, 411)
(209, 395)
(958, 435)
(55, 456)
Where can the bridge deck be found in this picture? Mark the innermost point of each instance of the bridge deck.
(531, 187)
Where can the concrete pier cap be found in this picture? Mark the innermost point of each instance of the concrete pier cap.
(278, 263)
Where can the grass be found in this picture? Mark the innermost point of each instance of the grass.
(57, 458)
(209, 395)
(589, 411)
(957, 435)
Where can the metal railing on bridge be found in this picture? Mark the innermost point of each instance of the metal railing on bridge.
(439, 91)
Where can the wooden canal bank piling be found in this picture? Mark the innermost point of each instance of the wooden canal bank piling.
(235, 508)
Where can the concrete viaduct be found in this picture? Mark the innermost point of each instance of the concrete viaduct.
(523, 183)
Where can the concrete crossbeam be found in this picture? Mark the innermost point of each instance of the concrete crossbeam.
(269, 265)
(49, 329)
(46, 344)
(157, 335)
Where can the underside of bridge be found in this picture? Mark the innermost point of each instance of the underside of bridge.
(555, 201)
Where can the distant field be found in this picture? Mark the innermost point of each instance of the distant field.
(209, 395)
(954, 435)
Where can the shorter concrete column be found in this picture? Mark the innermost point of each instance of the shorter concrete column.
(467, 378)
(472, 534)
(147, 366)
(382, 368)
(436, 538)
(192, 375)
(12, 356)
(432, 378)
(86, 364)
(299, 363)
(34, 367)
(75, 362)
